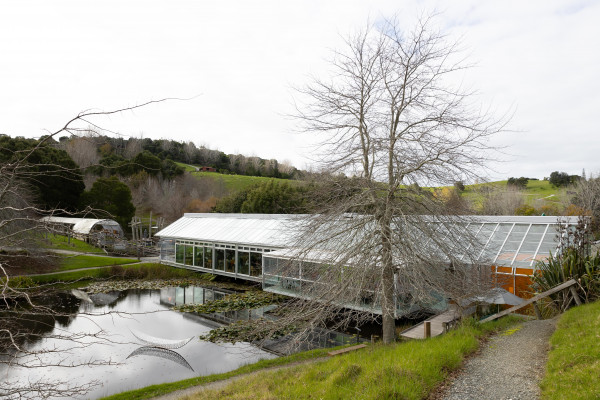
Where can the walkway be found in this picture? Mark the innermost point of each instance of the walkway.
(510, 366)
(437, 325)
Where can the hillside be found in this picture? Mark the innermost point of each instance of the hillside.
(233, 182)
(538, 195)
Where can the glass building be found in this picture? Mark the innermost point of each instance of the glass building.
(254, 247)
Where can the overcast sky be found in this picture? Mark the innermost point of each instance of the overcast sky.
(540, 59)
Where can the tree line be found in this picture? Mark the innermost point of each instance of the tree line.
(122, 154)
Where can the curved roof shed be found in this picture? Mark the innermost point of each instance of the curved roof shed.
(85, 226)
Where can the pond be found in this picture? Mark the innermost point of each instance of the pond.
(133, 320)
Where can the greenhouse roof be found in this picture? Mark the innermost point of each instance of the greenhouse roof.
(80, 225)
(265, 230)
(515, 241)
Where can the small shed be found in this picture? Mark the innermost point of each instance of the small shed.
(88, 229)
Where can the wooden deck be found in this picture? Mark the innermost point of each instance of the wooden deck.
(437, 324)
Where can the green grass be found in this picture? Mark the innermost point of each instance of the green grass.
(187, 167)
(82, 261)
(408, 370)
(573, 367)
(61, 242)
(164, 388)
(136, 271)
(536, 193)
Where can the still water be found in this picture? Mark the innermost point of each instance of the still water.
(130, 318)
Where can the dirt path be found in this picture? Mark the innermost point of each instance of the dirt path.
(509, 366)
(222, 383)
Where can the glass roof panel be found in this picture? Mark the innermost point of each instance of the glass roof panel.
(549, 244)
(512, 244)
(496, 241)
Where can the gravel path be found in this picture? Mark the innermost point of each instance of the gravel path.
(509, 366)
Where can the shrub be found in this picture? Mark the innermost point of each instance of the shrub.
(571, 264)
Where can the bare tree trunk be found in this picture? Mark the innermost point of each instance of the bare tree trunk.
(387, 283)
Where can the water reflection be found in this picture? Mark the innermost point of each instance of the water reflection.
(162, 353)
(176, 296)
(318, 338)
(118, 313)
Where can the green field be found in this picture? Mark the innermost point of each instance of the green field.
(536, 194)
(234, 183)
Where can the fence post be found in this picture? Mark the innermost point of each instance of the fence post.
(575, 295)
(536, 308)
(427, 327)
(444, 327)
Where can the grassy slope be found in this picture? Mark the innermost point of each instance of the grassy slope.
(408, 370)
(61, 242)
(573, 367)
(535, 190)
(235, 183)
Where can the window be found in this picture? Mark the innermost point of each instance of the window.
(243, 263)
(198, 256)
(220, 259)
(208, 257)
(189, 255)
(255, 264)
(230, 261)
(179, 253)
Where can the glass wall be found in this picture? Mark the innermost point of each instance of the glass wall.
(255, 264)
(229, 258)
(179, 253)
(189, 255)
(208, 257)
(167, 250)
(243, 262)
(220, 259)
(230, 261)
(198, 256)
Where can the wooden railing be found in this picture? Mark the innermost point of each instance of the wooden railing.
(564, 286)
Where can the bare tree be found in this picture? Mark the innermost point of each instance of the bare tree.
(499, 200)
(390, 116)
(83, 149)
(132, 148)
(587, 196)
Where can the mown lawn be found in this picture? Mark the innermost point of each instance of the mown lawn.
(136, 271)
(573, 368)
(82, 261)
(407, 370)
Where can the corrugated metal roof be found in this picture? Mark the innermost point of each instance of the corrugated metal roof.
(265, 230)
